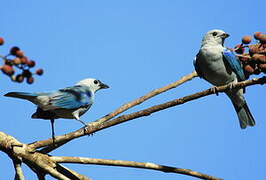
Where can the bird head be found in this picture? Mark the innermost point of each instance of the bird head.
(214, 37)
(93, 84)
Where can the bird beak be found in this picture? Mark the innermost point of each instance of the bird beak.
(225, 35)
(103, 86)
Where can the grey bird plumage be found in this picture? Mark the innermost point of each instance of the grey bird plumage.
(220, 66)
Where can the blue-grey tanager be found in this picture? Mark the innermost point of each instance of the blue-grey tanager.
(220, 66)
(68, 103)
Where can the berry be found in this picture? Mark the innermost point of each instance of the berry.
(239, 49)
(31, 63)
(255, 57)
(19, 53)
(7, 69)
(13, 78)
(262, 59)
(1, 41)
(263, 67)
(249, 69)
(262, 38)
(259, 58)
(30, 80)
(26, 73)
(253, 49)
(17, 61)
(256, 35)
(24, 60)
(19, 78)
(14, 50)
(244, 58)
(246, 39)
(39, 72)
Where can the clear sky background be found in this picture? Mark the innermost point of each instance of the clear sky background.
(135, 47)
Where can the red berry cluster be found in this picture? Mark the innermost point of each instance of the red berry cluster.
(17, 60)
(252, 57)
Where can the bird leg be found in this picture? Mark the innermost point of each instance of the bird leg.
(76, 116)
(232, 86)
(52, 123)
(82, 122)
(86, 127)
(215, 90)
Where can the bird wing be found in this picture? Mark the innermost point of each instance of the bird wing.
(196, 66)
(69, 98)
(234, 64)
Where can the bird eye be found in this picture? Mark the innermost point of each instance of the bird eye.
(214, 33)
(96, 82)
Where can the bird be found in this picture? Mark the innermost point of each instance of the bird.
(68, 103)
(220, 66)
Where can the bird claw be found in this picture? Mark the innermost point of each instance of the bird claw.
(215, 90)
(86, 130)
(91, 134)
(54, 144)
(231, 86)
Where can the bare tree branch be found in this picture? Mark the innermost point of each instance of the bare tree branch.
(19, 173)
(133, 164)
(147, 96)
(41, 163)
(70, 173)
(145, 112)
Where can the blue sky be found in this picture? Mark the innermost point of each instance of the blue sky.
(135, 47)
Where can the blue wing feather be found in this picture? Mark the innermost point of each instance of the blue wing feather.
(234, 63)
(68, 98)
(71, 98)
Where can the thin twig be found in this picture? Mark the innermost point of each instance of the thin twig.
(147, 96)
(145, 112)
(19, 173)
(132, 164)
(54, 173)
(70, 173)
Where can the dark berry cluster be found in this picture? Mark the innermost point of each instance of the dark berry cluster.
(16, 60)
(252, 57)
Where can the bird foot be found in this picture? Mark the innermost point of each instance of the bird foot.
(54, 144)
(215, 90)
(86, 130)
(231, 86)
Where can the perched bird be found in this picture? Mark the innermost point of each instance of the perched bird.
(220, 66)
(67, 103)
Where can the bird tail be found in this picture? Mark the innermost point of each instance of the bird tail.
(22, 95)
(244, 115)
